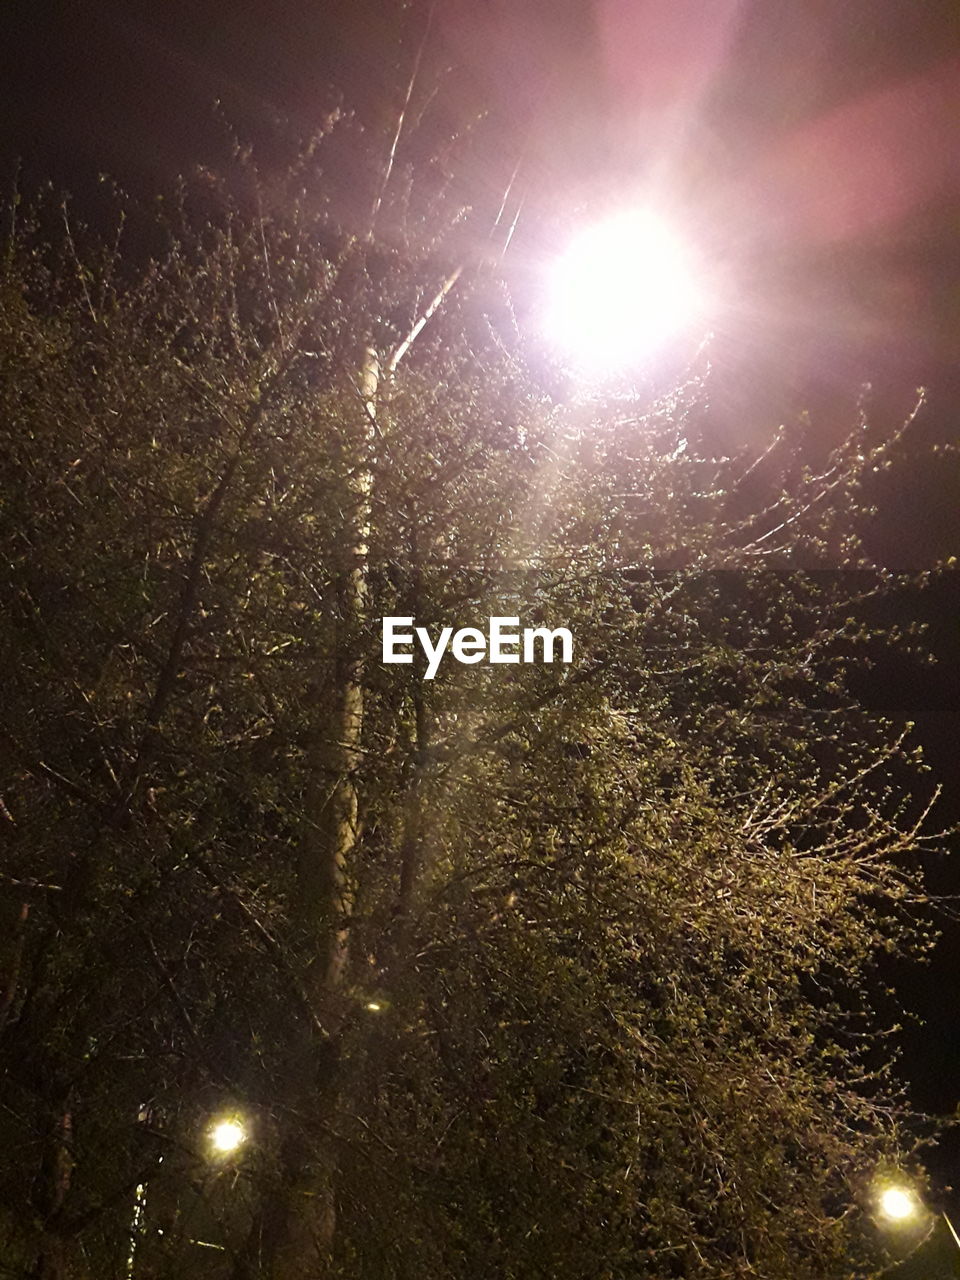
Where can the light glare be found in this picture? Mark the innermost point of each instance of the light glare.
(227, 1136)
(623, 288)
(897, 1204)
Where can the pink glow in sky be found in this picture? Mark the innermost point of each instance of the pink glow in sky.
(867, 163)
(659, 55)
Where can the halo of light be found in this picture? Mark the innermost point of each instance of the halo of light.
(622, 288)
(227, 1136)
(898, 1204)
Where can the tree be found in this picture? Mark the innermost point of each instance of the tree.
(523, 971)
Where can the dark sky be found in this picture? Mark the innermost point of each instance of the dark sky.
(812, 150)
(812, 147)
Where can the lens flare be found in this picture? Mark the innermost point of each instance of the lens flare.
(623, 288)
(897, 1204)
(227, 1136)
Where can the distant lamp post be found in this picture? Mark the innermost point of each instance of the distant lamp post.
(899, 1204)
(227, 1136)
(622, 288)
(937, 1255)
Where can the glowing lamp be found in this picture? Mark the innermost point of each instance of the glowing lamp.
(227, 1136)
(897, 1204)
(622, 288)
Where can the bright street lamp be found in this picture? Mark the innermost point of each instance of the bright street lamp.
(227, 1136)
(938, 1252)
(621, 289)
(898, 1204)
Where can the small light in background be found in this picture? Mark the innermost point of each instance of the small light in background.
(374, 1006)
(227, 1136)
(898, 1204)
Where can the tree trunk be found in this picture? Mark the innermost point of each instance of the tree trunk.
(55, 1175)
(300, 1219)
(16, 962)
(330, 830)
(292, 1235)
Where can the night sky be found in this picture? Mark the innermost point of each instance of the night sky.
(813, 148)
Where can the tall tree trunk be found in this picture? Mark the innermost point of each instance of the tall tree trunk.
(13, 974)
(292, 1234)
(411, 844)
(330, 830)
(306, 1222)
(56, 1174)
(301, 1215)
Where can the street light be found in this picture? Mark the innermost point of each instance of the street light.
(938, 1252)
(227, 1135)
(898, 1204)
(621, 289)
